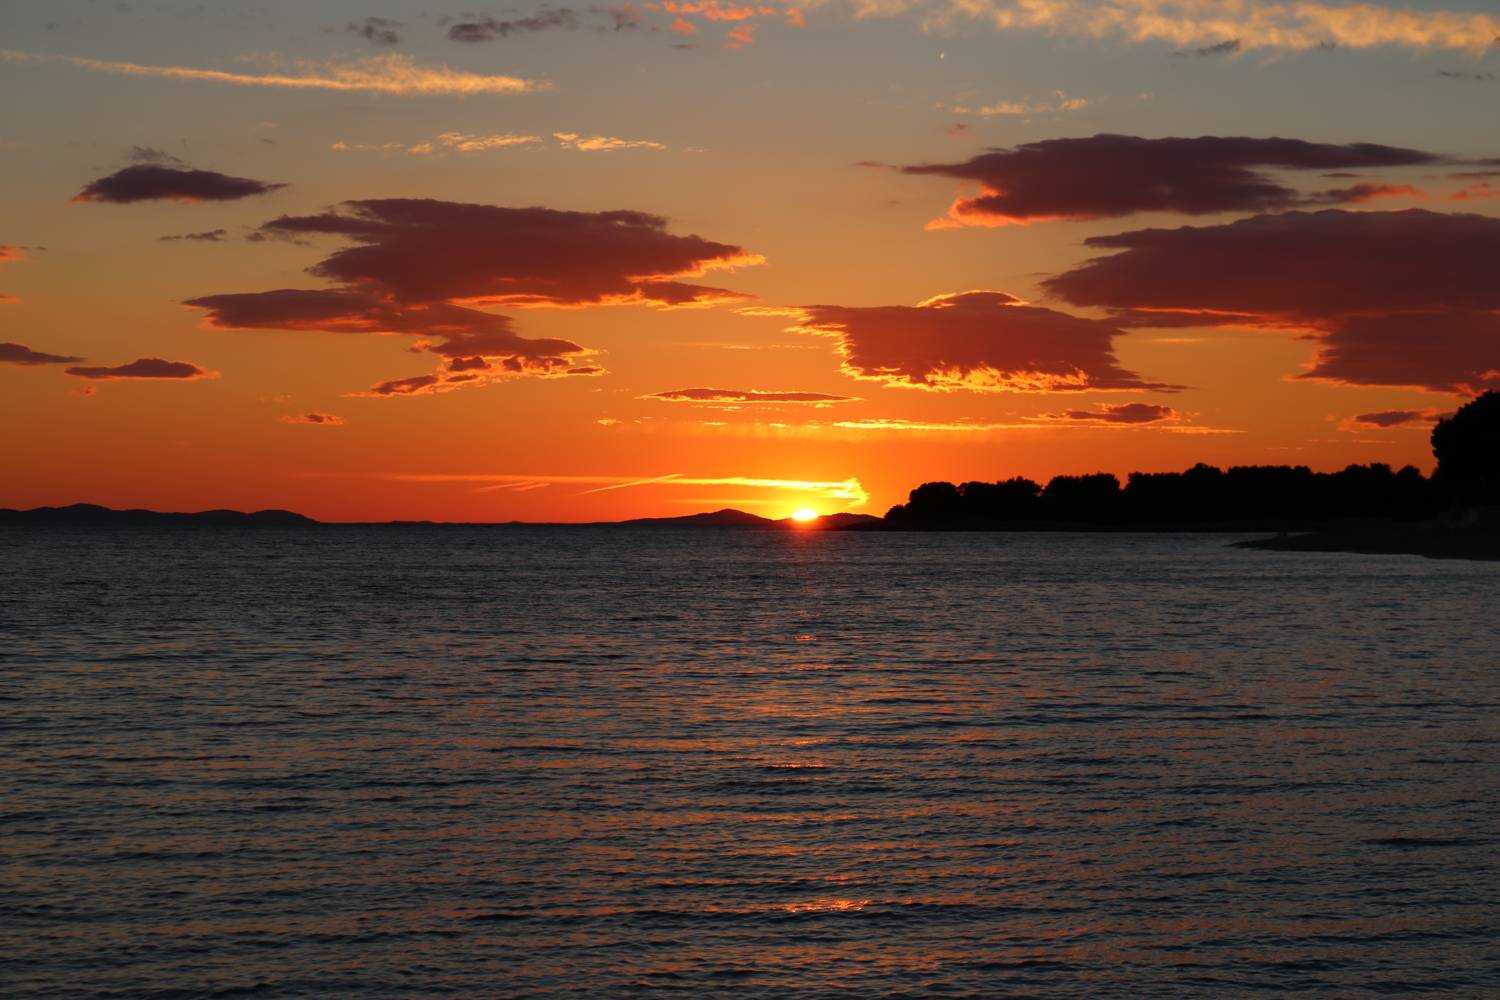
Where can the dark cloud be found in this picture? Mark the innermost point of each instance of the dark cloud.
(1392, 298)
(376, 30)
(626, 18)
(1113, 175)
(319, 419)
(1449, 74)
(422, 250)
(210, 236)
(457, 331)
(420, 267)
(488, 29)
(150, 154)
(143, 368)
(158, 182)
(975, 340)
(1119, 413)
(1395, 418)
(1449, 351)
(741, 396)
(20, 354)
(1225, 48)
(404, 386)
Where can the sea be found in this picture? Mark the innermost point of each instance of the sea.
(597, 762)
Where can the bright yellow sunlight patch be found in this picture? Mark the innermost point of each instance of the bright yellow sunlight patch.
(805, 514)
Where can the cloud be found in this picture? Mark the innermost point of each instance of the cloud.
(1059, 102)
(488, 29)
(1477, 192)
(454, 332)
(149, 154)
(423, 250)
(376, 30)
(1266, 24)
(20, 354)
(1105, 176)
(209, 236)
(848, 490)
(387, 74)
(420, 267)
(10, 254)
(1132, 414)
(1402, 299)
(319, 419)
(152, 182)
(744, 396)
(1391, 418)
(602, 143)
(1225, 48)
(978, 340)
(1449, 74)
(144, 368)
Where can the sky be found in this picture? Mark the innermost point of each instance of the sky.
(375, 261)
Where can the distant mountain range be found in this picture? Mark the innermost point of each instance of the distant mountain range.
(89, 515)
(731, 518)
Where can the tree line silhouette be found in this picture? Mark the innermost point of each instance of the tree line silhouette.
(1466, 445)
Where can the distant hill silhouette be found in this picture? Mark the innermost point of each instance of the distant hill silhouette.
(92, 515)
(731, 518)
(726, 518)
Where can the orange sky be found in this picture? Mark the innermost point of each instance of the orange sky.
(808, 208)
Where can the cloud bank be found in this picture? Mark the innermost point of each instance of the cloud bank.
(1400, 299)
(977, 340)
(1105, 176)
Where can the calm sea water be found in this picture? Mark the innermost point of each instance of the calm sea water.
(543, 762)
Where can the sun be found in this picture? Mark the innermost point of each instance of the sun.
(805, 514)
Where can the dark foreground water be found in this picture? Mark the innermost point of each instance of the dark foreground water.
(518, 762)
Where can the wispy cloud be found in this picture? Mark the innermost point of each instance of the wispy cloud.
(847, 490)
(1059, 102)
(387, 74)
(1191, 24)
(602, 143)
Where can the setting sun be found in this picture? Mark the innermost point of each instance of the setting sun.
(805, 514)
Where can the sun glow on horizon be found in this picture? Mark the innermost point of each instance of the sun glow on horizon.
(804, 515)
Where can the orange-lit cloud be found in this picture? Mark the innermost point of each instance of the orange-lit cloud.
(1404, 299)
(10, 253)
(20, 354)
(1477, 192)
(743, 396)
(388, 74)
(602, 143)
(143, 368)
(1105, 176)
(847, 490)
(316, 419)
(1264, 24)
(1057, 103)
(978, 340)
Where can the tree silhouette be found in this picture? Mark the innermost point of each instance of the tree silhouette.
(1467, 448)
